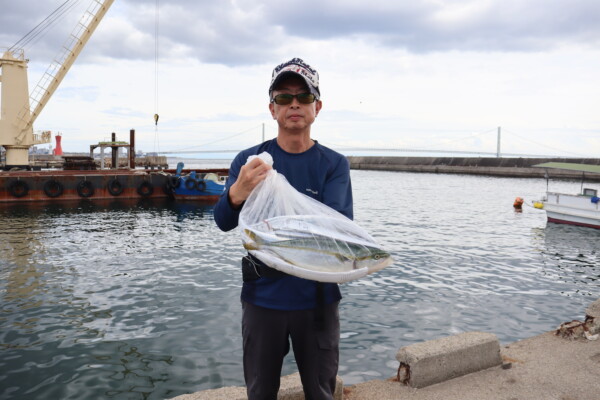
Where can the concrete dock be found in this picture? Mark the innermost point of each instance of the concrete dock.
(492, 166)
(545, 367)
(562, 364)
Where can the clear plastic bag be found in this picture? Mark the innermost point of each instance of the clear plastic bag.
(301, 236)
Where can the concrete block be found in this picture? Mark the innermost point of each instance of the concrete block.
(434, 361)
(290, 389)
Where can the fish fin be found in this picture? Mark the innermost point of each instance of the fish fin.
(250, 246)
(250, 234)
(254, 242)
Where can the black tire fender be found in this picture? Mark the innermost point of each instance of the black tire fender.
(190, 184)
(85, 188)
(145, 189)
(18, 188)
(53, 188)
(114, 187)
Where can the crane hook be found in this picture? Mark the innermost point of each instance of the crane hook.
(155, 119)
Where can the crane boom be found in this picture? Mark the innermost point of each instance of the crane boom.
(19, 111)
(70, 51)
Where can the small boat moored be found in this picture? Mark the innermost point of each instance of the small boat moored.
(574, 209)
(198, 186)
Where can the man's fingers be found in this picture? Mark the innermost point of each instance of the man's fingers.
(251, 174)
(255, 170)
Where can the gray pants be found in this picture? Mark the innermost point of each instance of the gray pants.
(266, 336)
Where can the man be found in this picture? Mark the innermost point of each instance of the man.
(277, 306)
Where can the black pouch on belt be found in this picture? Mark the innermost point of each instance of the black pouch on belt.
(253, 268)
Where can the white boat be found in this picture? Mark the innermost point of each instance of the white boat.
(574, 209)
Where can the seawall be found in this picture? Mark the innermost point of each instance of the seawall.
(492, 166)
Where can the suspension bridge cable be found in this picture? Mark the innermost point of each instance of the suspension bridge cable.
(216, 141)
(230, 137)
(414, 148)
(542, 145)
(474, 135)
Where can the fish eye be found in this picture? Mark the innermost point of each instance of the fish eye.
(377, 256)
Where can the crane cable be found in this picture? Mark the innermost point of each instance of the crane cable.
(156, 19)
(33, 35)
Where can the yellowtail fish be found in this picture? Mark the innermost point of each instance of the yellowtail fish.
(316, 252)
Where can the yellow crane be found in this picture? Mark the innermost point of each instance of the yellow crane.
(19, 110)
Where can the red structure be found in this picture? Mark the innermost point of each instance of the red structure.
(58, 150)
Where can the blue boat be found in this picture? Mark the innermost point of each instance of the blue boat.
(204, 186)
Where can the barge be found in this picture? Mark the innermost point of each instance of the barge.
(59, 185)
(80, 179)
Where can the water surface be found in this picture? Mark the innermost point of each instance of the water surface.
(140, 300)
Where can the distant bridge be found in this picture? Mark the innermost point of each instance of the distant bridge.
(378, 150)
(348, 149)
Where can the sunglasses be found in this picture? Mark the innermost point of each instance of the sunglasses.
(285, 99)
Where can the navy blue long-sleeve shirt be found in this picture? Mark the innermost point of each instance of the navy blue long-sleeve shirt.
(320, 173)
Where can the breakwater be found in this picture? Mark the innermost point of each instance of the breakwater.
(493, 166)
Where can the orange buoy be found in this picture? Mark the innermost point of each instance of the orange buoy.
(518, 202)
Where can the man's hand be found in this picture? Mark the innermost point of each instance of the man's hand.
(251, 175)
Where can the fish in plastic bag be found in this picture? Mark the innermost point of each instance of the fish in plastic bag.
(301, 236)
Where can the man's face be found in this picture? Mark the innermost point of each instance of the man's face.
(295, 116)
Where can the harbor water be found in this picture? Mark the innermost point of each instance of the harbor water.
(122, 300)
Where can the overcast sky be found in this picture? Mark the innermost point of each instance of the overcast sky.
(433, 74)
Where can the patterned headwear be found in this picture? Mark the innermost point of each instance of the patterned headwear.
(298, 67)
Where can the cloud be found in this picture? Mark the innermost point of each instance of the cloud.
(41, 26)
(402, 73)
(445, 25)
(246, 32)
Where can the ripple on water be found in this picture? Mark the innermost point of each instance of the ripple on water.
(142, 300)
